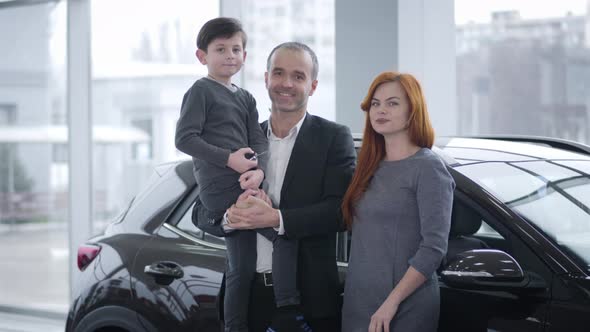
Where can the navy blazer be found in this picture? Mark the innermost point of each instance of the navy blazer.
(318, 173)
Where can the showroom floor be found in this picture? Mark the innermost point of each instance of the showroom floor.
(10, 322)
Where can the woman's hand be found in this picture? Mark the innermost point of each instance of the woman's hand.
(382, 317)
(411, 280)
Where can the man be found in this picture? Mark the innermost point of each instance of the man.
(310, 166)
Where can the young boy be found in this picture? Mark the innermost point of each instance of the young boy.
(218, 127)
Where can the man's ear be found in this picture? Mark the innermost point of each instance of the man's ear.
(266, 79)
(314, 85)
(202, 56)
(245, 53)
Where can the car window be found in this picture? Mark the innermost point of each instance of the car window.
(474, 155)
(186, 224)
(553, 195)
(470, 230)
(213, 239)
(534, 151)
(480, 237)
(487, 231)
(496, 236)
(500, 178)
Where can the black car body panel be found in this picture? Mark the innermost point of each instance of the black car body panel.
(156, 271)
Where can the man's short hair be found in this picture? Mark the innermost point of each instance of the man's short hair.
(298, 47)
(220, 27)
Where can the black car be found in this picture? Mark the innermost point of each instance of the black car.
(518, 259)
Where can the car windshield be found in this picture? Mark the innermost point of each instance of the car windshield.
(552, 194)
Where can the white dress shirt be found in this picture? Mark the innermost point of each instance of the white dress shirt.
(279, 154)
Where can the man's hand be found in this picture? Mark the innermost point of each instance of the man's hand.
(238, 162)
(254, 212)
(263, 196)
(251, 179)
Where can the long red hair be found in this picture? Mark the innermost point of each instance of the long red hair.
(373, 147)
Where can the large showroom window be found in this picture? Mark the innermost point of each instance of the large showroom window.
(523, 68)
(269, 23)
(33, 158)
(143, 61)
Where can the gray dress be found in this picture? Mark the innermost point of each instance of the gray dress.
(402, 220)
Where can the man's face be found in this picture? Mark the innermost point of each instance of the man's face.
(289, 80)
(224, 57)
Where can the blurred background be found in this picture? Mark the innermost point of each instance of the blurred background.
(512, 67)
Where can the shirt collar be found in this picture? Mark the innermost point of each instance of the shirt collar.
(292, 131)
(231, 87)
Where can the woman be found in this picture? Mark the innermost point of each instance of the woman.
(398, 206)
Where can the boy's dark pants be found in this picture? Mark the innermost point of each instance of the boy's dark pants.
(241, 257)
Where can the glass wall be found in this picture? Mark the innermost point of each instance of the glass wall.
(524, 68)
(33, 157)
(271, 22)
(142, 64)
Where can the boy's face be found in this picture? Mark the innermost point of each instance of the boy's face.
(224, 57)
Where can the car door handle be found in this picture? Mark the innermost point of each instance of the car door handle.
(164, 269)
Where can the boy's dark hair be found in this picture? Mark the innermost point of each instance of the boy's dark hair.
(221, 27)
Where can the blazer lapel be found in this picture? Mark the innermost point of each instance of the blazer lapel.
(297, 160)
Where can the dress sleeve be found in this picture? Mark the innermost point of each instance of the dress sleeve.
(434, 193)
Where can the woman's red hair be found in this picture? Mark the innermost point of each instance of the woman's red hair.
(373, 147)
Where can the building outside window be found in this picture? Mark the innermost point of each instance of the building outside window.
(142, 64)
(271, 22)
(33, 195)
(524, 68)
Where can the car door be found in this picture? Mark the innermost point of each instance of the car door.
(570, 305)
(516, 309)
(488, 310)
(178, 275)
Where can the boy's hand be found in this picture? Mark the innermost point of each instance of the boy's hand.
(238, 162)
(251, 179)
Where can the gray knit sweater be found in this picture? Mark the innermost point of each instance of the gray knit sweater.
(214, 122)
(402, 220)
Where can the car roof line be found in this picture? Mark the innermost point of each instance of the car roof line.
(558, 143)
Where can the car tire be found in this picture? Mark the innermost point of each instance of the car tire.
(114, 317)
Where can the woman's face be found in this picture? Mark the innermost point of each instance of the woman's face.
(390, 111)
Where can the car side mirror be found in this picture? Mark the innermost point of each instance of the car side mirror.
(484, 269)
